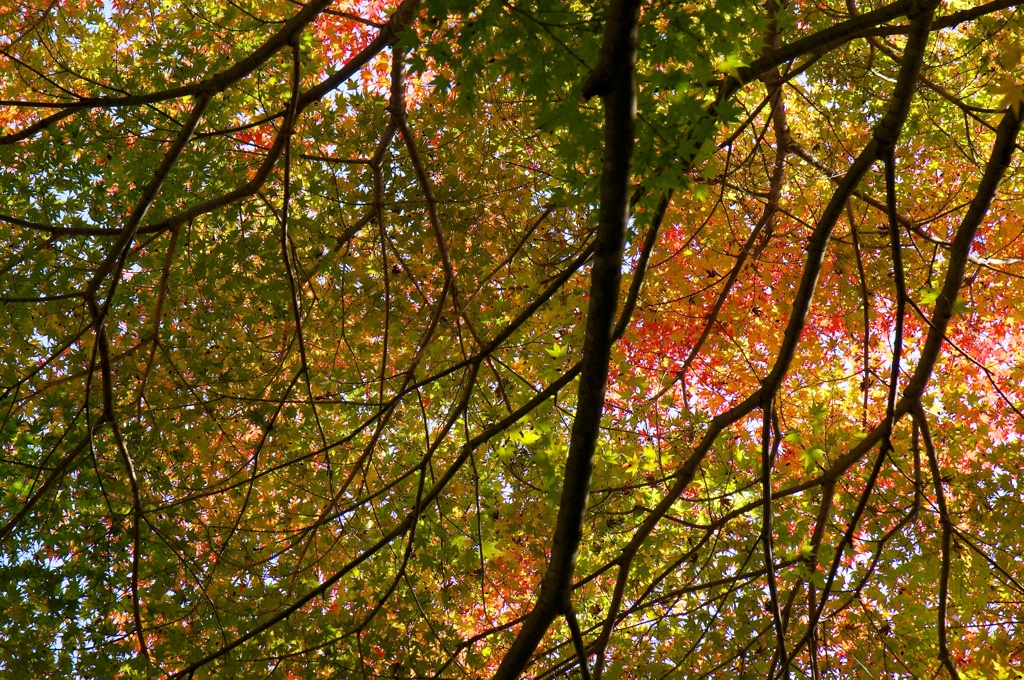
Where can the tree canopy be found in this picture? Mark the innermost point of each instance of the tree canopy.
(518, 338)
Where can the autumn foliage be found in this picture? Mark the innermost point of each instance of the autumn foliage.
(318, 364)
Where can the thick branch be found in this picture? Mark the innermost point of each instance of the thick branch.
(619, 97)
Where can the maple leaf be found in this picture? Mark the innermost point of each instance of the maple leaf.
(556, 351)
(1010, 91)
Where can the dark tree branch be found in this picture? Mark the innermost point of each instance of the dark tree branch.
(769, 450)
(921, 420)
(619, 96)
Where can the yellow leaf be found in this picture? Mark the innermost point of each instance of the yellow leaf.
(1010, 56)
(1012, 93)
(556, 351)
(529, 437)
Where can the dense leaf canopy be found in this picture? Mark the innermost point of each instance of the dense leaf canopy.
(511, 338)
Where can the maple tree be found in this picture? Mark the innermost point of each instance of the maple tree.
(628, 340)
